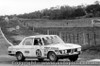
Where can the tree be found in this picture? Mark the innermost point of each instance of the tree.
(94, 8)
(79, 12)
(65, 12)
(96, 2)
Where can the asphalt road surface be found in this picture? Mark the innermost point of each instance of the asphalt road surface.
(6, 60)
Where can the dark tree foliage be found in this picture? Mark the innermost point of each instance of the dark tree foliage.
(78, 12)
(65, 12)
(94, 9)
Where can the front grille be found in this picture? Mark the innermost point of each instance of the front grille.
(72, 50)
(75, 50)
(69, 50)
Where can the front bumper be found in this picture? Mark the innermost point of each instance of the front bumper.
(68, 55)
(11, 54)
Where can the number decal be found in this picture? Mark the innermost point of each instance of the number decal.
(38, 53)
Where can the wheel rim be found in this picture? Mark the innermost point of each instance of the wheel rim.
(52, 57)
(19, 56)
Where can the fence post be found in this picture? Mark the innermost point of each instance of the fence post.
(33, 29)
(77, 38)
(84, 40)
(47, 32)
(88, 39)
(69, 38)
(94, 38)
(60, 34)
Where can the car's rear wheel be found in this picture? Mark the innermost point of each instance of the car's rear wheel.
(73, 58)
(52, 57)
(20, 56)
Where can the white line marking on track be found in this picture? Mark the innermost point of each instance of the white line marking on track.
(94, 60)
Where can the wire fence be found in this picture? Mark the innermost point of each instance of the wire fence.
(82, 38)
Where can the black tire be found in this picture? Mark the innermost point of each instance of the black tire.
(73, 58)
(20, 56)
(40, 59)
(52, 57)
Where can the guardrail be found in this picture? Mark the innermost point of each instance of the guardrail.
(5, 37)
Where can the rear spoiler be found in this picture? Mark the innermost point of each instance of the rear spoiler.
(5, 37)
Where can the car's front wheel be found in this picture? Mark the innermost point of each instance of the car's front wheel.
(52, 57)
(20, 56)
(73, 58)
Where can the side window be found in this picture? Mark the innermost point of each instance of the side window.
(28, 41)
(45, 41)
(37, 41)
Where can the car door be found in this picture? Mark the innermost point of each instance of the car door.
(38, 48)
(27, 47)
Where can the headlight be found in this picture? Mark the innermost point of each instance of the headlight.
(63, 51)
(79, 49)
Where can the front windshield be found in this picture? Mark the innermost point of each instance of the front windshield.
(52, 40)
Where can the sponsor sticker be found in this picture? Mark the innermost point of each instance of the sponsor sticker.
(38, 53)
(26, 51)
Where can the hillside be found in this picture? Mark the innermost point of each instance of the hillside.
(86, 22)
(3, 45)
(14, 31)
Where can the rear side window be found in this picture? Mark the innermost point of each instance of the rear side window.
(28, 41)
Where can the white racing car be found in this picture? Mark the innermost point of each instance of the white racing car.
(51, 47)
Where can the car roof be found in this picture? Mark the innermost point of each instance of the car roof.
(40, 36)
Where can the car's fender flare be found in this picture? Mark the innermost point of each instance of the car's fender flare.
(19, 52)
